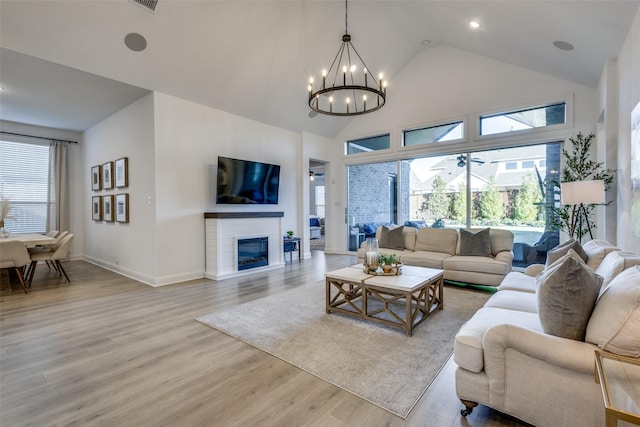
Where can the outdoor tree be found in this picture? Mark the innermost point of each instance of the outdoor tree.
(459, 207)
(439, 202)
(491, 203)
(525, 208)
(579, 167)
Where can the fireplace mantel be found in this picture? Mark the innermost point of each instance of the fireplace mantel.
(243, 215)
(224, 229)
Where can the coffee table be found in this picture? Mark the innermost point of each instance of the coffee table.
(401, 301)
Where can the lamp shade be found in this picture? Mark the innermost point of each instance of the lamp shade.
(585, 192)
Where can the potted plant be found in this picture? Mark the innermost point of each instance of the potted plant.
(388, 262)
(578, 167)
(289, 234)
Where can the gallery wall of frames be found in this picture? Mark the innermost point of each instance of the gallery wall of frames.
(111, 177)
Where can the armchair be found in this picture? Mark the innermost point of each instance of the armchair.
(523, 252)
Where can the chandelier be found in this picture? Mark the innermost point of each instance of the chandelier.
(348, 86)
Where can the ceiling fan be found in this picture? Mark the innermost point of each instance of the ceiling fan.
(462, 160)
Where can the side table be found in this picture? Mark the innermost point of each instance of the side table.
(291, 244)
(619, 379)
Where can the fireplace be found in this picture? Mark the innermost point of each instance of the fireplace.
(253, 253)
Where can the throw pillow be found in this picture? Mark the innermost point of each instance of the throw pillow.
(596, 251)
(615, 321)
(392, 238)
(567, 293)
(561, 250)
(614, 264)
(475, 244)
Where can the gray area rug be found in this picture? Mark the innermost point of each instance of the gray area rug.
(375, 362)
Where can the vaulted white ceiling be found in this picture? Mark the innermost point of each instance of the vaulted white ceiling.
(253, 58)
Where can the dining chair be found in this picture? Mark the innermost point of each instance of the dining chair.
(48, 248)
(54, 257)
(14, 255)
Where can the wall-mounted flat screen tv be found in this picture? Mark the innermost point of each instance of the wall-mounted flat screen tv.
(247, 182)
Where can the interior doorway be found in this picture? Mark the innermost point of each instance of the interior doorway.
(317, 205)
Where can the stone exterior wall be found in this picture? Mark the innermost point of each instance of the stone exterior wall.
(369, 192)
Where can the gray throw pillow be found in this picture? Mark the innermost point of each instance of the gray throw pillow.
(561, 250)
(567, 292)
(475, 244)
(392, 238)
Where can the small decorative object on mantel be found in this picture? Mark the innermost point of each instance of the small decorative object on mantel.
(289, 234)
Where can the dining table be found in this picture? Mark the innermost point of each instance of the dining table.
(32, 239)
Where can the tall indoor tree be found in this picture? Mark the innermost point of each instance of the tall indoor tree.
(579, 167)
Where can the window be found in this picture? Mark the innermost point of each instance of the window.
(24, 181)
(512, 121)
(511, 166)
(438, 133)
(374, 143)
(319, 189)
(528, 164)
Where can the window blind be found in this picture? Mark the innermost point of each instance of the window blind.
(24, 174)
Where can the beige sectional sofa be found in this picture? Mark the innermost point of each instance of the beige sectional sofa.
(441, 248)
(506, 360)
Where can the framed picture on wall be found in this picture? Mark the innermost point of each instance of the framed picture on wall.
(122, 207)
(96, 178)
(107, 208)
(122, 172)
(107, 175)
(96, 208)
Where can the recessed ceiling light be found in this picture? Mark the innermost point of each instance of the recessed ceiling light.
(562, 45)
(136, 42)
(474, 25)
(426, 42)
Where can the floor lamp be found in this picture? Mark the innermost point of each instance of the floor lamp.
(582, 193)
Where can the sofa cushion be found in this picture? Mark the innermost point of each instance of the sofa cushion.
(615, 321)
(475, 244)
(514, 300)
(561, 250)
(596, 251)
(424, 259)
(567, 293)
(476, 264)
(392, 237)
(517, 281)
(468, 351)
(615, 263)
(437, 240)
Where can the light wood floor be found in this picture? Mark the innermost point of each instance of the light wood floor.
(107, 350)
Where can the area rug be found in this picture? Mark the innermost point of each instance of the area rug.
(375, 362)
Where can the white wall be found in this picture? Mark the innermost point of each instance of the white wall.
(189, 137)
(444, 83)
(130, 249)
(628, 98)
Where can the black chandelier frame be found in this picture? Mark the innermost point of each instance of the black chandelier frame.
(356, 101)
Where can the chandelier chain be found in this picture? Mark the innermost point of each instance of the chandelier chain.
(346, 13)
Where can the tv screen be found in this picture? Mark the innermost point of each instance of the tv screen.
(247, 182)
